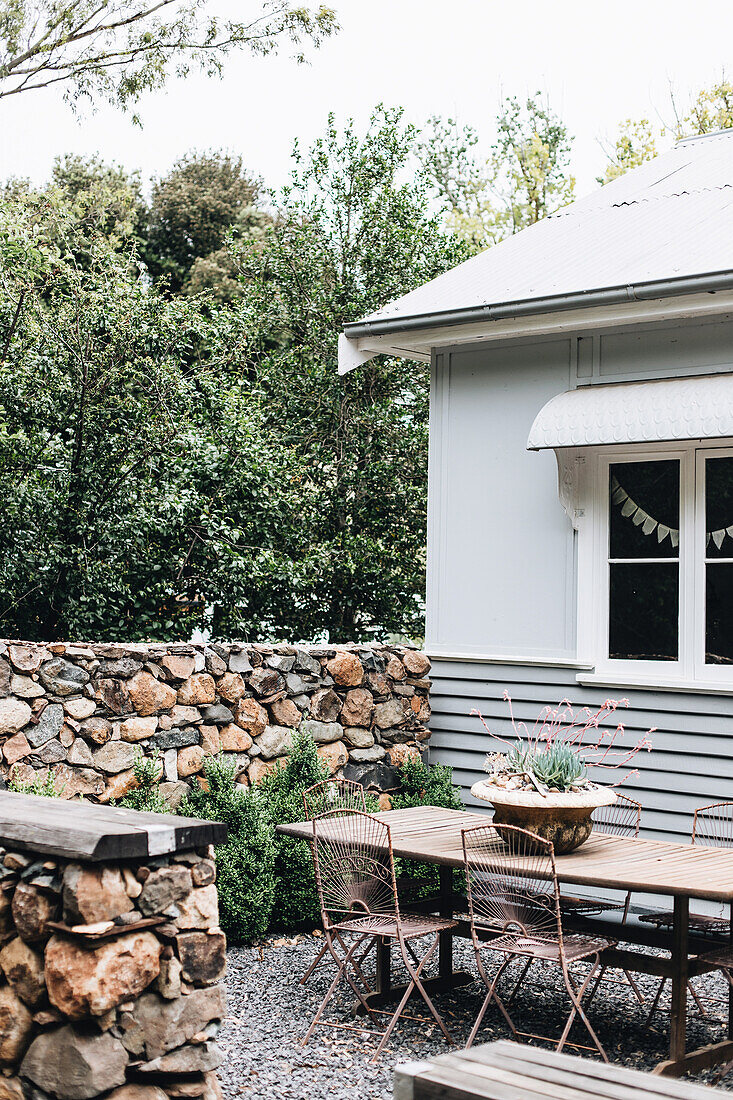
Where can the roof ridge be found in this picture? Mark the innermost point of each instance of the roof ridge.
(673, 194)
(725, 132)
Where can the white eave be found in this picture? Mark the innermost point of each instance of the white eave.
(636, 412)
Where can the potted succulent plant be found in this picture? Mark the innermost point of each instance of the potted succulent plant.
(541, 780)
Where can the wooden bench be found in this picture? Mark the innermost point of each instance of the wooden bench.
(513, 1071)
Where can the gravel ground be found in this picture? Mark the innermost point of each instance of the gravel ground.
(270, 1011)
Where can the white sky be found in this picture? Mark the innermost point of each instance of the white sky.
(599, 63)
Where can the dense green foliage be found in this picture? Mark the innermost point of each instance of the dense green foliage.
(354, 230)
(192, 210)
(245, 864)
(171, 461)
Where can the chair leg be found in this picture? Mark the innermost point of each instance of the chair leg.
(356, 962)
(415, 975)
(576, 997)
(519, 981)
(693, 992)
(629, 981)
(696, 997)
(491, 995)
(655, 1002)
(314, 964)
(341, 969)
(412, 985)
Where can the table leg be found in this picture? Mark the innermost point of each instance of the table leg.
(445, 939)
(678, 1021)
(384, 971)
(730, 987)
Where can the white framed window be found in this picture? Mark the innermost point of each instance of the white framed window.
(655, 601)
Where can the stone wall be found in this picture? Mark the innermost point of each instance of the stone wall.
(121, 1001)
(83, 713)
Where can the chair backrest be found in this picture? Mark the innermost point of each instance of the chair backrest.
(333, 794)
(354, 865)
(511, 879)
(712, 826)
(621, 818)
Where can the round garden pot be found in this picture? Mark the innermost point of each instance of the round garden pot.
(564, 818)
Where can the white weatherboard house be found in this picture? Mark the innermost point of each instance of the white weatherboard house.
(580, 529)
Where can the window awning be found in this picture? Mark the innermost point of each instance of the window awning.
(636, 412)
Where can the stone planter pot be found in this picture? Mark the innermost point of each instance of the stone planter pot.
(563, 818)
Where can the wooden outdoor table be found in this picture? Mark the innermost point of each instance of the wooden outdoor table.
(682, 871)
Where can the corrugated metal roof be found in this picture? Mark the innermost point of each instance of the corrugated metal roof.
(636, 412)
(669, 218)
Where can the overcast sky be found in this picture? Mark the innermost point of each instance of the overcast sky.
(599, 63)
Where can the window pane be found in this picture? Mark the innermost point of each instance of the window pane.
(644, 612)
(719, 507)
(644, 509)
(719, 615)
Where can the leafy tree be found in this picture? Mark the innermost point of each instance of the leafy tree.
(636, 143)
(353, 231)
(192, 210)
(711, 109)
(638, 140)
(530, 162)
(120, 49)
(137, 485)
(105, 194)
(524, 178)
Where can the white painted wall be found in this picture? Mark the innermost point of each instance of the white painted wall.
(501, 569)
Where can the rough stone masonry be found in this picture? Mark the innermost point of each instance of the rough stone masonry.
(83, 713)
(110, 978)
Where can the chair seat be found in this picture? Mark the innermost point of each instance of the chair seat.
(548, 947)
(386, 924)
(569, 904)
(723, 958)
(699, 922)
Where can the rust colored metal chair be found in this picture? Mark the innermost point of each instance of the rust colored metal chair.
(712, 827)
(357, 889)
(333, 794)
(621, 818)
(513, 889)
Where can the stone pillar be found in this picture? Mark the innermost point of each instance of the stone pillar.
(111, 968)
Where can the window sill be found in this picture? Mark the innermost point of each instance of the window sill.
(618, 679)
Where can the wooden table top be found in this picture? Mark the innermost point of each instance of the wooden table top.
(433, 835)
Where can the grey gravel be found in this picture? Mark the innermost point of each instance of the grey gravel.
(269, 1012)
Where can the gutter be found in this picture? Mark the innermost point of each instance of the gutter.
(584, 299)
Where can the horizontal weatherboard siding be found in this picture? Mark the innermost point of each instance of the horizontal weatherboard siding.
(691, 762)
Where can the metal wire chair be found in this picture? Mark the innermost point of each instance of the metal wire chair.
(621, 818)
(513, 890)
(333, 794)
(712, 827)
(357, 889)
